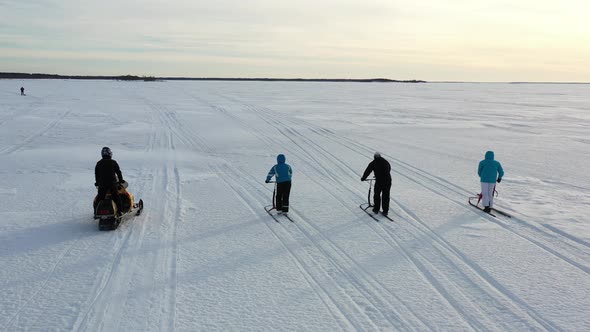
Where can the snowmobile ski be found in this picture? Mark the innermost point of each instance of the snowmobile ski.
(139, 207)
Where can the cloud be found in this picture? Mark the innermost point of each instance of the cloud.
(281, 36)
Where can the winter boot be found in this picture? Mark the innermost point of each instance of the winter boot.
(487, 209)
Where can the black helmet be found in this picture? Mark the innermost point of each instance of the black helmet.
(106, 152)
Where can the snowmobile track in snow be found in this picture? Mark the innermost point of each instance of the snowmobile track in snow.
(138, 235)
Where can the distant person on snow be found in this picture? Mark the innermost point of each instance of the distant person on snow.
(22, 91)
(490, 171)
(108, 176)
(382, 170)
(283, 173)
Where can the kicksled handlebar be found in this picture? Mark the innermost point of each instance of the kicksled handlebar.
(369, 194)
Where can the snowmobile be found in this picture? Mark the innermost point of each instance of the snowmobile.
(106, 211)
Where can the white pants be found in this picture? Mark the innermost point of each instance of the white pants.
(487, 194)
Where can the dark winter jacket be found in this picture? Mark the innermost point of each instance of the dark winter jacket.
(107, 172)
(381, 168)
(282, 171)
(489, 170)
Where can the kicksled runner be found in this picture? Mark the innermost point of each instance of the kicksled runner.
(109, 218)
(476, 205)
(366, 206)
(271, 207)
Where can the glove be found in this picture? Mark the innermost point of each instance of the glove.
(362, 179)
(266, 181)
(121, 181)
(499, 180)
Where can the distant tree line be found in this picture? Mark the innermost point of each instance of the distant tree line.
(382, 80)
(153, 78)
(75, 77)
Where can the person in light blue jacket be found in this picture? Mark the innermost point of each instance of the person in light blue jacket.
(490, 171)
(283, 173)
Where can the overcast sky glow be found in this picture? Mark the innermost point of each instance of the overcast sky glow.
(465, 40)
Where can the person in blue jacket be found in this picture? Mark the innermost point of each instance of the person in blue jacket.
(490, 171)
(283, 173)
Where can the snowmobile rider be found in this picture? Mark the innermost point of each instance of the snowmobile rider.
(382, 171)
(108, 177)
(490, 171)
(283, 173)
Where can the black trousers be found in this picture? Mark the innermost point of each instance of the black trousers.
(381, 196)
(102, 192)
(282, 199)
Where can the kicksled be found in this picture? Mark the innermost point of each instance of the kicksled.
(476, 205)
(366, 206)
(269, 208)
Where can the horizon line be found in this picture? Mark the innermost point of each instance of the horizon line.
(128, 77)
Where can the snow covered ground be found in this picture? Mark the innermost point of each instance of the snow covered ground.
(205, 256)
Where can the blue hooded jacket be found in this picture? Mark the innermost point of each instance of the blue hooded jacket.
(490, 170)
(282, 171)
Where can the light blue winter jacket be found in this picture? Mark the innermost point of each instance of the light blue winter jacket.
(490, 170)
(282, 171)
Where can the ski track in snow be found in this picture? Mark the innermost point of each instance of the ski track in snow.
(343, 265)
(28, 140)
(310, 269)
(195, 143)
(306, 151)
(136, 286)
(548, 240)
(435, 282)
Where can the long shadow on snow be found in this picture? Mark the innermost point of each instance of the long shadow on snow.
(101, 257)
(36, 238)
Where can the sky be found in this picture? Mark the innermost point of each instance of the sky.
(434, 40)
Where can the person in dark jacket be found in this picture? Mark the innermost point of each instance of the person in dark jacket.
(490, 171)
(381, 168)
(108, 177)
(22, 91)
(283, 172)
